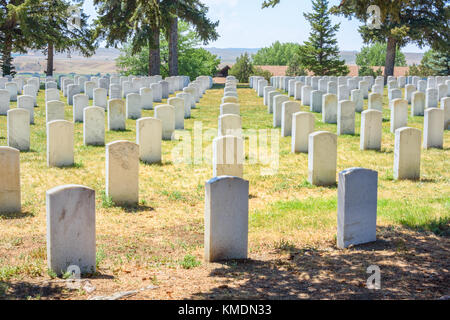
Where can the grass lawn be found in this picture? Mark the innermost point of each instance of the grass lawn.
(292, 224)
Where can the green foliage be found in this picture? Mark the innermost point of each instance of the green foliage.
(243, 68)
(365, 70)
(278, 54)
(263, 73)
(433, 63)
(190, 262)
(437, 61)
(375, 55)
(420, 21)
(192, 61)
(139, 23)
(423, 22)
(295, 68)
(107, 201)
(320, 54)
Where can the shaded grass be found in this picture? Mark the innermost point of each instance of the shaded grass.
(285, 210)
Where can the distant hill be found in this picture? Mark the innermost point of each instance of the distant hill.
(229, 55)
(103, 60)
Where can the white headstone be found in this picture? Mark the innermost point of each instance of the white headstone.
(178, 104)
(116, 115)
(71, 229)
(133, 106)
(407, 153)
(371, 130)
(54, 110)
(230, 124)
(26, 102)
(94, 126)
(322, 158)
(399, 114)
(228, 156)
(302, 127)
(417, 103)
(4, 101)
(433, 129)
(149, 137)
(346, 117)
(288, 108)
(357, 207)
(80, 101)
(226, 219)
(122, 172)
(166, 113)
(100, 98)
(146, 98)
(18, 129)
(60, 143)
(10, 200)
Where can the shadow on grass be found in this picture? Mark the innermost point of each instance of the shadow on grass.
(440, 226)
(135, 208)
(413, 266)
(121, 130)
(76, 165)
(153, 164)
(16, 215)
(331, 186)
(12, 290)
(29, 151)
(384, 151)
(428, 180)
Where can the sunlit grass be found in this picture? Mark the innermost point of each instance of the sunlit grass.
(166, 229)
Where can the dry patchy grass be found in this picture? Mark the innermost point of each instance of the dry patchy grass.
(292, 224)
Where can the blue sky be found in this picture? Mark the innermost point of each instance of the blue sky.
(243, 24)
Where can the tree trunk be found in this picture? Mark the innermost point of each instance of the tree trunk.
(390, 57)
(7, 67)
(173, 48)
(50, 54)
(154, 67)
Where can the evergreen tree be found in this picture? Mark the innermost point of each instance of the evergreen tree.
(295, 68)
(243, 68)
(423, 22)
(439, 62)
(67, 30)
(144, 21)
(320, 54)
(433, 63)
(136, 21)
(278, 54)
(193, 61)
(21, 27)
(192, 11)
(375, 55)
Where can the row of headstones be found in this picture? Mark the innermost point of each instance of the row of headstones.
(342, 112)
(60, 133)
(130, 83)
(285, 83)
(228, 146)
(312, 88)
(11, 91)
(122, 158)
(322, 167)
(221, 220)
(71, 216)
(158, 89)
